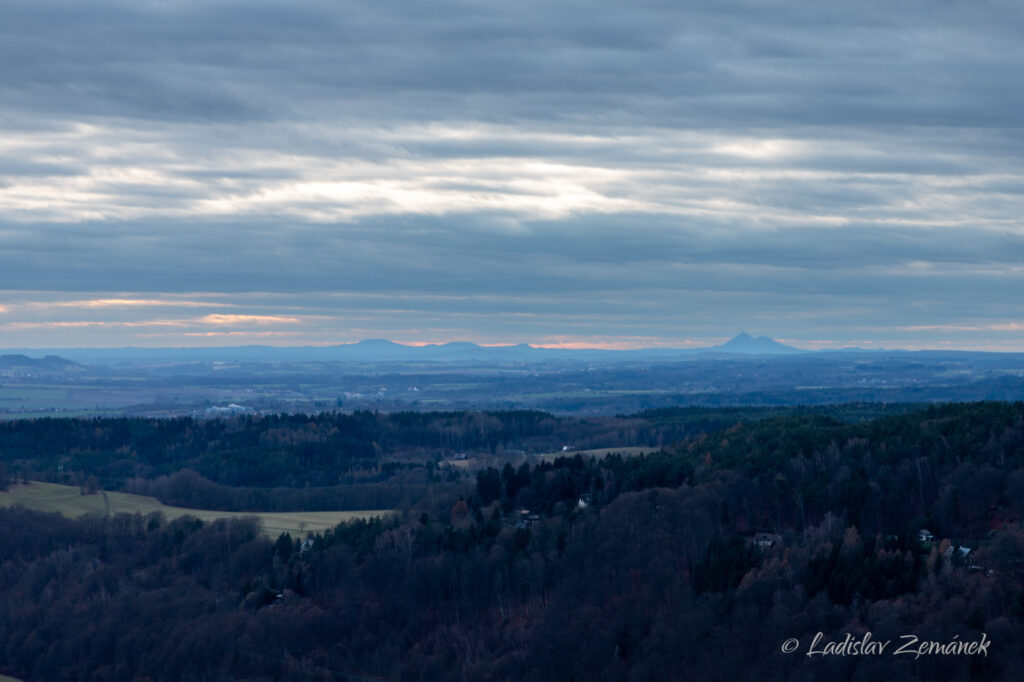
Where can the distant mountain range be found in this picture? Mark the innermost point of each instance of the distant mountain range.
(381, 350)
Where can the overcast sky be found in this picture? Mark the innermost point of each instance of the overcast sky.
(581, 173)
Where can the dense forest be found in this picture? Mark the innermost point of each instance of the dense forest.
(697, 561)
(331, 460)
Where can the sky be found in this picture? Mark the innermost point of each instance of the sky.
(589, 174)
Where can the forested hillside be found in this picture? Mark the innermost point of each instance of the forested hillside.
(695, 562)
(298, 450)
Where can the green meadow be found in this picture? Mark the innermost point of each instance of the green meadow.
(68, 500)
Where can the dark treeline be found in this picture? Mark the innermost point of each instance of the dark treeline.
(333, 448)
(186, 488)
(697, 562)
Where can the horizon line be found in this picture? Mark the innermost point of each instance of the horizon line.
(612, 346)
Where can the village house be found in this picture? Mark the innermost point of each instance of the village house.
(766, 540)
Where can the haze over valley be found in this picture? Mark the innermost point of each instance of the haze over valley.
(381, 375)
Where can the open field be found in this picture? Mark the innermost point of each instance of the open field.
(478, 463)
(69, 501)
(631, 451)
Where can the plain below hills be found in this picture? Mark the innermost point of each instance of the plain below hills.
(385, 376)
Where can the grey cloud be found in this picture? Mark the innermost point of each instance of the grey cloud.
(894, 198)
(28, 167)
(790, 62)
(441, 256)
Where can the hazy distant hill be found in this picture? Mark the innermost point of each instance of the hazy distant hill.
(745, 344)
(48, 363)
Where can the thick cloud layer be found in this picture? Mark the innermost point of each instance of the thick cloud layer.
(584, 172)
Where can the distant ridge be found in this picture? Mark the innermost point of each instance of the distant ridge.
(49, 362)
(743, 343)
(21, 360)
(383, 350)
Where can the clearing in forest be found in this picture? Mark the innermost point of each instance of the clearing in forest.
(68, 500)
